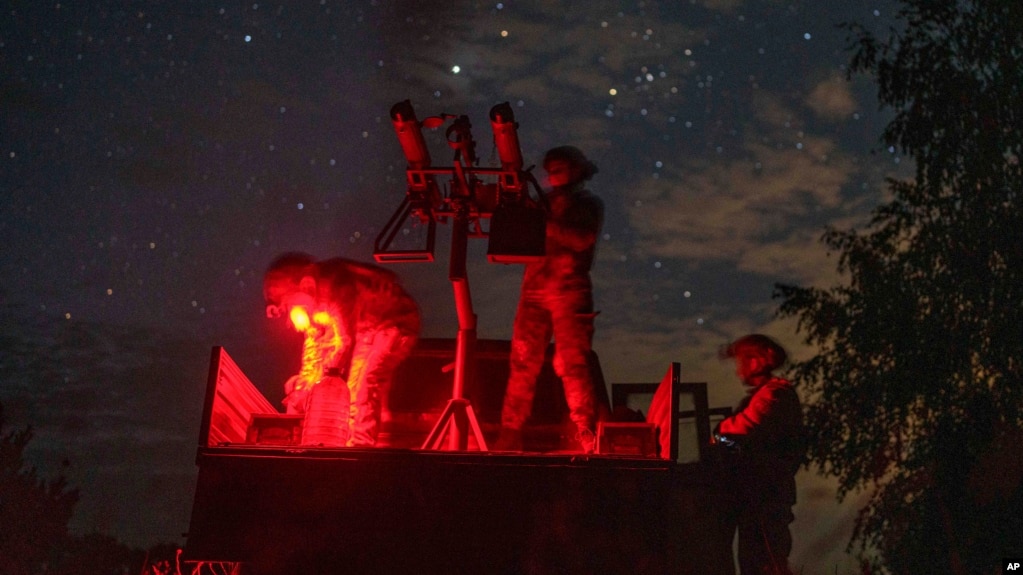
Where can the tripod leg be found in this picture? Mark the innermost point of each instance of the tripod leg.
(433, 440)
(462, 413)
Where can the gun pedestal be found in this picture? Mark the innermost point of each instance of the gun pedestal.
(467, 201)
(458, 415)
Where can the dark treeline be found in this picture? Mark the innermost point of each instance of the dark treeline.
(35, 512)
(915, 394)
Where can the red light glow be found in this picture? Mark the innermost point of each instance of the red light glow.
(299, 318)
(322, 346)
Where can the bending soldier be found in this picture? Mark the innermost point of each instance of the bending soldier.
(360, 324)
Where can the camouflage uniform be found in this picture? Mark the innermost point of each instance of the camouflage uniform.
(557, 299)
(379, 326)
(768, 429)
(384, 322)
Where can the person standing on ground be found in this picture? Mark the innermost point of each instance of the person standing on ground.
(764, 446)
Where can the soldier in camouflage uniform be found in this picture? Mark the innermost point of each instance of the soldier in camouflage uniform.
(557, 299)
(765, 444)
(360, 324)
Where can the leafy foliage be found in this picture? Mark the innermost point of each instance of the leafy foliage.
(916, 390)
(33, 511)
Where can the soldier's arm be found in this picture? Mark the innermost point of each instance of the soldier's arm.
(580, 225)
(749, 420)
(766, 417)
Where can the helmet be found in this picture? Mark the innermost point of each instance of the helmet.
(759, 345)
(574, 156)
(285, 272)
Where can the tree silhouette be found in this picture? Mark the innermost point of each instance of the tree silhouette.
(916, 389)
(34, 511)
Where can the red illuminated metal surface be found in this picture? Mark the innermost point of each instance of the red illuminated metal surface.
(283, 509)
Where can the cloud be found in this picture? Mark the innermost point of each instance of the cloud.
(823, 526)
(758, 207)
(832, 99)
(798, 259)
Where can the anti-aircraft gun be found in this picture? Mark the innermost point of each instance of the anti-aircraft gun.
(469, 197)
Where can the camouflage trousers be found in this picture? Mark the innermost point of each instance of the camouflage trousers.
(375, 357)
(340, 412)
(567, 315)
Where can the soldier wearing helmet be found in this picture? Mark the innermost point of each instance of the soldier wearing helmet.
(556, 299)
(765, 439)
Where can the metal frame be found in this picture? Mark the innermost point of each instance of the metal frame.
(701, 412)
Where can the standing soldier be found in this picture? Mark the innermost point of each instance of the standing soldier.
(359, 324)
(557, 299)
(765, 440)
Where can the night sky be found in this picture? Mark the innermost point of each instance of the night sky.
(156, 156)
